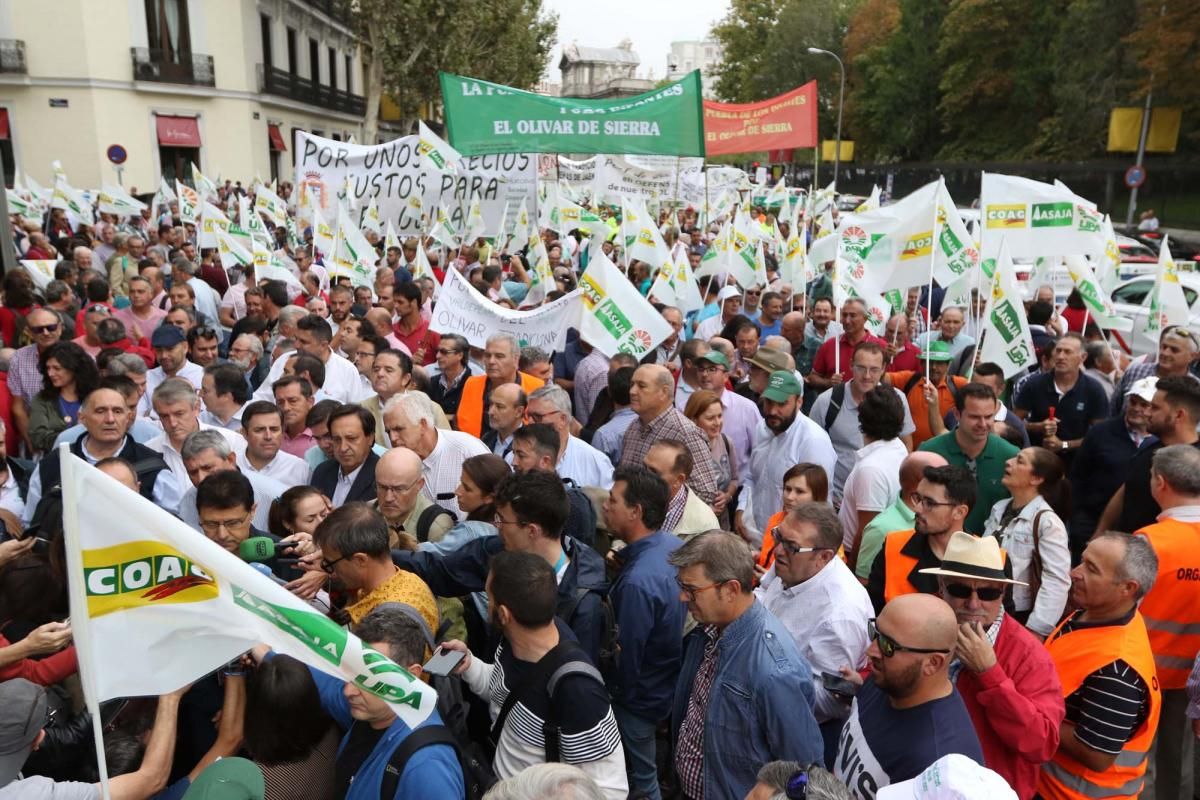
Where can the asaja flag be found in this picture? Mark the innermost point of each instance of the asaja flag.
(1168, 306)
(42, 272)
(1038, 219)
(156, 605)
(616, 318)
(1006, 338)
(269, 267)
(435, 152)
(189, 203)
(1099, 304)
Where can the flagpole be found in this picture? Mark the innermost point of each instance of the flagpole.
(81, 631)
(933, 247)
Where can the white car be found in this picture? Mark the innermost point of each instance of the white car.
(1132, 300)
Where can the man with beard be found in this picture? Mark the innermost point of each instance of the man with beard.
(908, 715)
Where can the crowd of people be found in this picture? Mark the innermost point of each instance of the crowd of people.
(778, 556)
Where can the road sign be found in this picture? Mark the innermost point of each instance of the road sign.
(116, 154)
(1135, 176)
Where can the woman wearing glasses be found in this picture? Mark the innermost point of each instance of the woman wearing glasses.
(1030, 528)
(68, 374)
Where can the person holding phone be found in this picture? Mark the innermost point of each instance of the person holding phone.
(1005, 677)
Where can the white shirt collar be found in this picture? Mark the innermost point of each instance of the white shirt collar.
(1187, 513)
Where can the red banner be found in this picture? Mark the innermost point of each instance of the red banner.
(783, 122)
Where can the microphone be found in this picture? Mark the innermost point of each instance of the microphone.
(257, 548)
(264, 570)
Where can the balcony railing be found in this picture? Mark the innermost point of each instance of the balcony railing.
(12, 56)
(284, 84)
(337, 9)
(153, 64)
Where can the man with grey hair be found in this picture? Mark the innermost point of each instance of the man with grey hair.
(1172, 614)
(82, 256)
(245, 352)
(578, 461)
(411, 421)
(547, 782)
(1177, 349)
(178, 408)
(207, 299)
(536, 362)
(1104, 659)
(206, 452)
(780, 780)
(501, 358)
(740, 671)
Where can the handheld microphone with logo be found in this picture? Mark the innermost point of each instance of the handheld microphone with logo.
(261, 548)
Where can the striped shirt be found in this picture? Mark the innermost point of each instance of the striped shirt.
(689, 749)
(672, 424)
(1111, 704)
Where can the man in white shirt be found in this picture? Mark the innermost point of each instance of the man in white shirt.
(171, 349)
(206, 452)
(818, 599)
(178, 408)
(262, 425)
(224, 393)
(874, 481)
(577, 460)
(411, 422)
(313, 336)
(730, 299)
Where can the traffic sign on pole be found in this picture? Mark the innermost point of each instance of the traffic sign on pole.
(116, 154)
(1135, 176)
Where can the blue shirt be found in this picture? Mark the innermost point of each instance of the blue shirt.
(774, 329)
(650, 616)
(610, 436)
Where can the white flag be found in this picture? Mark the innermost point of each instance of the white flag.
(1168, 306)
(211, 219)
(115, 200)
(41, 271)
(1099, 304)
(352, 254)
(72, 201)
(1006, 338)
(231, 251)
(871, 203)
(390, 239)
(1038, 219)
(1108, 269)
(371, 220)
(189, 204)
(616, 318)
(443, 228)
(322, 231)
(475, 227)
(204, 187)
(271, 204)
(269, 267)
(422, 269)
(155, 606)
(435, 152)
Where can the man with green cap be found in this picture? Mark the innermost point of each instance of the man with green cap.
(228, 779)
(929, 398)
(741, 415)
(784, 437)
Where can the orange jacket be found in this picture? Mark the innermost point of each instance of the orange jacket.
(470, 408)
(1169, 609)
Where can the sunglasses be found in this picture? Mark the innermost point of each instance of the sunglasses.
(790, 547)
(39, 329)
(888, 646)
(962, 591)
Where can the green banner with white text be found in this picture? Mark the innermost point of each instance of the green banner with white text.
(483, 118)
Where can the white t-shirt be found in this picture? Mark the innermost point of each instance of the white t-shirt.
(873, 484)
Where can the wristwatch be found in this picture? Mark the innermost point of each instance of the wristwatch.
(1064, 444)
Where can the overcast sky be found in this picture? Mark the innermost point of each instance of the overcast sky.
(650, 24)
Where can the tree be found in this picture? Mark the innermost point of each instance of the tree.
(742, 34)
(503, 41)
(1166, 44)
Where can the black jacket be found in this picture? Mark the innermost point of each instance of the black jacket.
(325, 478)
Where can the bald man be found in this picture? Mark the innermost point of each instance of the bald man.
(899, 516)
(908, 715)
(506, 413)
(119, 469)
(398, 496)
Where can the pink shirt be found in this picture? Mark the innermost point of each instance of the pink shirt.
(145, 326)
(298, 445)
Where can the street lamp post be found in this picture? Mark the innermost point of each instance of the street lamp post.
(837, 154)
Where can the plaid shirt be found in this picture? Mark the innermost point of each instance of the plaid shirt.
(689, 750)
(24, 377)
(672, 424)
(675, 509)
(1142, 369)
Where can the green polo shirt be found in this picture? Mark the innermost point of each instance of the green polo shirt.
(989, 471)
(896, 517)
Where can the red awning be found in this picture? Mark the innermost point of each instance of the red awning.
(3, 123)
(178, 131)
(276, 139)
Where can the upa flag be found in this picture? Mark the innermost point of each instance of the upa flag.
(272, 205)
(1038, 219)
(1006, 338)
(616, 318)
(1099, 304)
(371, 220)
(435, 152)
(189, 203)
(1168, 306)
(42, 272)
(251, 221)
(443, 228)
(142, 582)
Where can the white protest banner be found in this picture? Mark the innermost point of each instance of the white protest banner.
(394, 175)
(1038, 219)
(155, 605)
(463, 310)
(697, 185)
(578, 175)
(616, 318)
(643, 177)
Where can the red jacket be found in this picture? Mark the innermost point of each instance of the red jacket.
(1017, 707)
(42, 671)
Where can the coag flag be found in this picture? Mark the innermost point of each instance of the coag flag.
(211, 219)
(1038, 219)
(1168, 306)
(1006, 338)
(115, 200)
(435, 152)
(616, 318)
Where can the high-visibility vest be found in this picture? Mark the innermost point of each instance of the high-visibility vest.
(1170, 608)
(470, 408)
(898, 565)
(1076, 656)
(766, 556)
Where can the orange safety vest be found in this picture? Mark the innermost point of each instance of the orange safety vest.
(766, 556)
(470, 407)
(1169, 609)
(898, 565)
(1076, 656)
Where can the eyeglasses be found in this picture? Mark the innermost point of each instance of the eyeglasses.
(690, 592)
(797, 785)
(539, 418)
(443, 351)
(862, 369)
(204, 332)
(918, 499)
(327, 566)
(790, 547)
(889, 646)
(962, 591)
(383, 488)
(499, 520)
(40, 329)
(214, 525)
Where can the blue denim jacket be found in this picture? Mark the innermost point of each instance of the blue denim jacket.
(760, 708)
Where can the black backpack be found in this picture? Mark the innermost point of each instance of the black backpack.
(427, 517)
(609, 644)
(916, 379)
(836, 398)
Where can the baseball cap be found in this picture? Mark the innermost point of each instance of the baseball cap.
(770, 359)
(782, 385)
(728, 292)
(1144, 388)
(715, 357)
(228, 779)
(167, 336)
(937, 350)
(24, 716)
(951, 777)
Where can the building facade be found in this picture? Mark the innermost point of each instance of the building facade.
(599, 72)
(222, 83)
(687, 56)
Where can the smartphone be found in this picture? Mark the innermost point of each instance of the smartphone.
(836, 684)
(444, 662)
